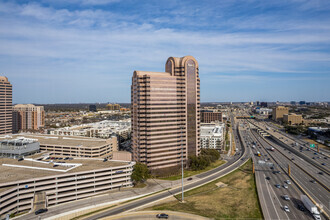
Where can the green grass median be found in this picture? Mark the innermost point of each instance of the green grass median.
(236, 198)
(188, 173)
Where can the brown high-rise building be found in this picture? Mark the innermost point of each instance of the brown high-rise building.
(28, 117)
(6, 102)
(208, 116)
(166, 113)
(278, 113)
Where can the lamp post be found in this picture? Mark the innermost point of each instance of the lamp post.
(182, 198)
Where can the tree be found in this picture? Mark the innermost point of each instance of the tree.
(140, 172)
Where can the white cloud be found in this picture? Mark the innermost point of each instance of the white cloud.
(67, 45)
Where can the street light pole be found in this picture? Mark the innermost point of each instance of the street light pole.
(182, 198)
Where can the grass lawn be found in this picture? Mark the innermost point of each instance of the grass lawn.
(236, 200)
(188, 173)
(140, 185)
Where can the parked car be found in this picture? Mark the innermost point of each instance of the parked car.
(162, 215)
(20, 159)
(105, 160)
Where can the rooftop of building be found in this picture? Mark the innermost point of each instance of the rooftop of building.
(142, 73)
(42, 165)
(46, 139)
(19, 141)
(3, 78)
(211, 130)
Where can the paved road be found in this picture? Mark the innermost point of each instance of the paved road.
(271, 198)
(152, 215)
(318, 158)
(214, 174)
(317, 191)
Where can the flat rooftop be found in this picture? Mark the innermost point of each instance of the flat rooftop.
(38, 166)
(45, 139)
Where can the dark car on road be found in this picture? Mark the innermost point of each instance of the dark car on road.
(39, 211)
(162, 215)
(267, 178)
(301, 207)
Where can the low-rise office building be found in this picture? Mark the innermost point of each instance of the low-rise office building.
(19, 147)
(263, 111)
(292, 119)
(72, 146)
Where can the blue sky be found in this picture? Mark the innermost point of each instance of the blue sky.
(86, 50)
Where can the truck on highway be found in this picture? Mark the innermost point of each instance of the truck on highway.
(310, 207)
(258, 154)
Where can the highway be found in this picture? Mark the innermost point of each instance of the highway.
(315, 190)
(270, 197)
(298, 140)
(321, 159)
(231, 165)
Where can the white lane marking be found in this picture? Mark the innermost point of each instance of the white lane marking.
(263, 196)
(279, 201)
(272, 200)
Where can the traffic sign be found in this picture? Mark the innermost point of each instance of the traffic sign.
(312, 145)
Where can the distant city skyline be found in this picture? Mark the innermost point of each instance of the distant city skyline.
(85, 51)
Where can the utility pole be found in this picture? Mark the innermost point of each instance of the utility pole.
(182, 198)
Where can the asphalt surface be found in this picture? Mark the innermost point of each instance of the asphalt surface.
(208, 176)
(321, 158)
(315, 190)
(270, 197)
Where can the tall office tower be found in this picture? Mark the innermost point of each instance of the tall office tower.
(28, 117)
(6, 101)
(166, 114)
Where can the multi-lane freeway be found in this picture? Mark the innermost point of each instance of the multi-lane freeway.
(272, 198)
(304, 173)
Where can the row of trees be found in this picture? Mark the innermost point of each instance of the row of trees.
(202, 161)
(207, 156)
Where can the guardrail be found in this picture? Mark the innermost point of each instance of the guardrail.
(296, 152)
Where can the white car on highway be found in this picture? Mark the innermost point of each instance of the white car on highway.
(286, 208)
(287, 182)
